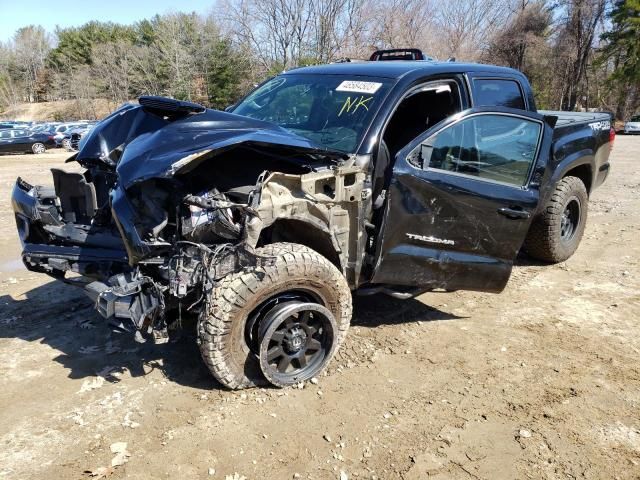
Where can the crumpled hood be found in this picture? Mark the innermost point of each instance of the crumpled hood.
(152, 146)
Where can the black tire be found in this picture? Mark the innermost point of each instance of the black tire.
(550, 238)
(223, 322)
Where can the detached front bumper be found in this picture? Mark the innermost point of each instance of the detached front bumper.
(24, 205)
(48, 243)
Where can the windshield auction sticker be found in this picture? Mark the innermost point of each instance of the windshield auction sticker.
(358, 87)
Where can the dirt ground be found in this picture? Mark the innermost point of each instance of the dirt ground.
(66, 110)
(541, 381)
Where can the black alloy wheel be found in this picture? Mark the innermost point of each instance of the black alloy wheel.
(570, 220)
(254, 321)
(297, 339)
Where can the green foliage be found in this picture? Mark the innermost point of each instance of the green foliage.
(76, 43)
(224, 74)
(308, 61)
(275, 69)
(623, 41)
(181, 55)
(146, 31)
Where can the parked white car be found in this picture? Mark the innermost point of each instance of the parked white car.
(633, 125)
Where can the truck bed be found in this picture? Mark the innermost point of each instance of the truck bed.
(571, 118)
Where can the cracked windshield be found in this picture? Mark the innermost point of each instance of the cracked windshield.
(332, 111)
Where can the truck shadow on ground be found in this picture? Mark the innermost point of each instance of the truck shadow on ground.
(374, 310)
(524, 260)
(62, 317)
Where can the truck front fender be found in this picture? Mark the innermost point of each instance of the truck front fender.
(324, 210)
(305, 231)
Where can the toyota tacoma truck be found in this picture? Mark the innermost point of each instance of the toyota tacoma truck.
(261, 220)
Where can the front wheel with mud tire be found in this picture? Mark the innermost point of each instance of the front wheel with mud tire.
(280, 323)
(556, 233)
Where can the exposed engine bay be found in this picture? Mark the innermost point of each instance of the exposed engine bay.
(173, 198)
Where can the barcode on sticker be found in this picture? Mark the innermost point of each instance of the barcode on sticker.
(358, 87)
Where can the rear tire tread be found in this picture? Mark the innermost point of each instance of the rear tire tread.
(543, 240)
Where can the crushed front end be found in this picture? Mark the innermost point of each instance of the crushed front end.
(173, 198)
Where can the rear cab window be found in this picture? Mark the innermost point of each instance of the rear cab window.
(498, 92)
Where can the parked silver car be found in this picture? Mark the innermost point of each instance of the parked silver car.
(632, 125)
(61, 131)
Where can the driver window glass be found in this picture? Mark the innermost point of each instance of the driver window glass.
(492, 147)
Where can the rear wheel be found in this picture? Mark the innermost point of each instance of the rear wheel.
(38, 148)
(66, 143)
(555, 235)
(280, 323)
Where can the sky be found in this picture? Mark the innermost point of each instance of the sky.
(68, 13)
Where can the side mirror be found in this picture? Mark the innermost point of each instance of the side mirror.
(420, 156)
(425, 153)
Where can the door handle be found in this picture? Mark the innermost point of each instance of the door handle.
(514, 213)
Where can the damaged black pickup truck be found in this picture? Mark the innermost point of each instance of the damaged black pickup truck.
(379, 177)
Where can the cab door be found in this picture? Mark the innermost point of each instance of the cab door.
(461, 199)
